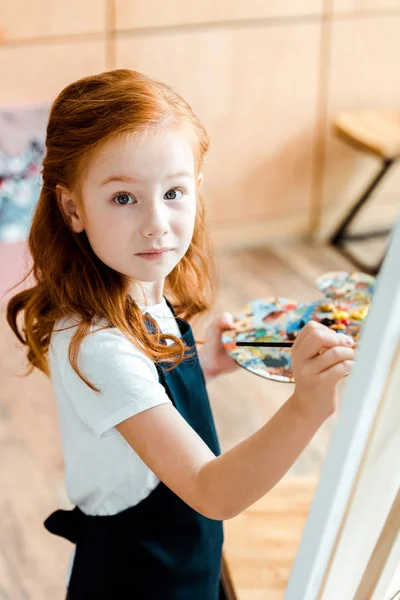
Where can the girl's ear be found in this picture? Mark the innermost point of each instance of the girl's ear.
(70, 209)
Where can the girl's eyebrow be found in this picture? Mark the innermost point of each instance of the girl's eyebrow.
(127, 179)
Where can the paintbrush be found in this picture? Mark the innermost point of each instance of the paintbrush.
(270, 344)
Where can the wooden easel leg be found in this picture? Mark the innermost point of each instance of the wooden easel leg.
(381, 552)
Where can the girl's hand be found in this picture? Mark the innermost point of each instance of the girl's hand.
(320, 359)
(214, 359)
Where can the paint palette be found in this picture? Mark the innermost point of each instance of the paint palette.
(344, 307)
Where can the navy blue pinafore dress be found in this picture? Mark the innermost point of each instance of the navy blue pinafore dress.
(160, 549)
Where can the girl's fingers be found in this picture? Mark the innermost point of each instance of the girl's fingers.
(313, 329)
(218, 324)
(304, 332)
(222, 322)
(337, 372)
(331, 357)
(226, 321)
(316, 337)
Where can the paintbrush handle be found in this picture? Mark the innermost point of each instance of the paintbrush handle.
(271, 344)
(267, 344)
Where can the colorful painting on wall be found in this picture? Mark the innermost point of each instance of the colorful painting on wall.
(22, 134)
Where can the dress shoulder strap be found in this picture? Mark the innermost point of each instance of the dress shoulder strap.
(170, 305)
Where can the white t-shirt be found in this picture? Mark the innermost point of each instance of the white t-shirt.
(103, 474)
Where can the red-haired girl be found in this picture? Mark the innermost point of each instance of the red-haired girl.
(121, 264)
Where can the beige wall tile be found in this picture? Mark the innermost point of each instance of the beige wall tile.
(363, 74)
(242, 233)
(38, 72)
(351, 6)
(41, 18)
(379, 4)
(255, 90)
(141, 13)
(343, 6)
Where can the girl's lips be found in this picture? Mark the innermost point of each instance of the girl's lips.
(152, 255)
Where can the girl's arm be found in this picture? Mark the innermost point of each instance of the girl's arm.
(218, 487)
(222, 487)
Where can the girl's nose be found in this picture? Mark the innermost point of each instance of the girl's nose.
(155, 223)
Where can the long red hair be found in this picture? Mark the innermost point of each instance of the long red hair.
(70, 278)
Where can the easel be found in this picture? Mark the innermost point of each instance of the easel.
(385, 546)
(350, 548)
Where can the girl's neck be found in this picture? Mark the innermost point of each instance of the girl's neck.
(148, 293)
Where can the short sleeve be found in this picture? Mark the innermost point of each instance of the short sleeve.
(127, 379)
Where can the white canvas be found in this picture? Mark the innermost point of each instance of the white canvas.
(361, 476)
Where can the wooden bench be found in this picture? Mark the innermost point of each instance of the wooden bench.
(378, 133)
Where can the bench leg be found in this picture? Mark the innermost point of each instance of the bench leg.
(227, 592)
(341, 234)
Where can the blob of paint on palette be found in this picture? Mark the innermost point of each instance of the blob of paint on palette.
(344, 308)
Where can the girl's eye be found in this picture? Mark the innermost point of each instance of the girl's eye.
(172, 194)
(122, 199)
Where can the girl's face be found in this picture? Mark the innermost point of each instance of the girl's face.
(139, 194)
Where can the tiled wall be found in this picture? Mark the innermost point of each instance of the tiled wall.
(265, 76)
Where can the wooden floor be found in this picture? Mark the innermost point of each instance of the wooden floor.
(260, 544)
